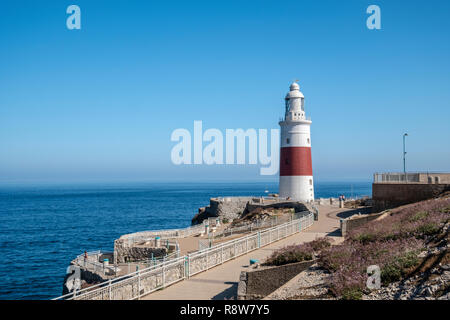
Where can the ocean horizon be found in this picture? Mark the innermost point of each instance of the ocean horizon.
(44, 226)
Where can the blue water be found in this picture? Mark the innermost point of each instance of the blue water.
(43, 228)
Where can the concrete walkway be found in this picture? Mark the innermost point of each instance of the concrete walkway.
(221, 282)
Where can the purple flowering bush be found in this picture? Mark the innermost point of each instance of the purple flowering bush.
(348, 263)
(297, 253)
(392, 243)
(419, 220)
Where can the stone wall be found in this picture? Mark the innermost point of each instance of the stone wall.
(123, 252)
(233, 207)
(391, 195)
(226, 208)
(298, 206)
(258, 283)
(354, 222)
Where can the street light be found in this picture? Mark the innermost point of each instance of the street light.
(404, 155)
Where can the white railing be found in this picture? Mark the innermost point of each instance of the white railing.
(159, 260)
(396, 177)
(145, 281)
(92, 263)
(258, 224)
(169, 233)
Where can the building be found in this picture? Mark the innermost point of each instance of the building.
(296, 178)
(394, 189)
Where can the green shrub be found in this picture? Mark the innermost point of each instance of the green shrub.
(390, 273)
(289, 256)
(365, 237)
(445, 210)
(419, 216)
(427, 229)
(319, 244)
(394, 270)
(352, 294)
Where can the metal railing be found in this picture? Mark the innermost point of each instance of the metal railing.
(258, 224)
(393, 177)
(159, 260)
(169, 233)
(92, 263)
(142, 282)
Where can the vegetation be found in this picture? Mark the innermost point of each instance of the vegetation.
(392, 243)
(297, 253)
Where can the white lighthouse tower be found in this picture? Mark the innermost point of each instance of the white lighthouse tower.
(296, 178)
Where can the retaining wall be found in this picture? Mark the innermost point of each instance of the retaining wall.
(257, 284)
(354, 222)
(391, 195)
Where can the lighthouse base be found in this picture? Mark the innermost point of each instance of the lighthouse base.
(298, 188)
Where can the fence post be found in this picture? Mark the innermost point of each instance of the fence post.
(246, 244)
(163, 276)
(189, 266)
(259, 239)
(221, 254)
(110, 290)
(139, 285)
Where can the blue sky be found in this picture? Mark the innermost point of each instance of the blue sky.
(100, 103)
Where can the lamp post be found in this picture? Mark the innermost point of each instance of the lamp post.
(404, 155)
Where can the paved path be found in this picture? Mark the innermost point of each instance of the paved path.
(221, 282)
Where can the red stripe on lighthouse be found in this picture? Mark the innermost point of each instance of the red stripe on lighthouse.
(295, 161)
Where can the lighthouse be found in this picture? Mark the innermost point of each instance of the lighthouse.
(296, 178)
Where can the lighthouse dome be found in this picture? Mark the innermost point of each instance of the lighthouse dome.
(294, 86)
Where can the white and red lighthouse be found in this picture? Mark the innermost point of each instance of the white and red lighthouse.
(296, 178)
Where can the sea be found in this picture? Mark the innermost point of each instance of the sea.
(42, 228)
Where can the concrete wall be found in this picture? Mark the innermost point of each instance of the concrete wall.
(436, 178)
(257, 284)
(233, 207)
(390, 195)
(354, 222)
(228, 208)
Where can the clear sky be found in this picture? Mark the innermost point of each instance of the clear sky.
(100, 103)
